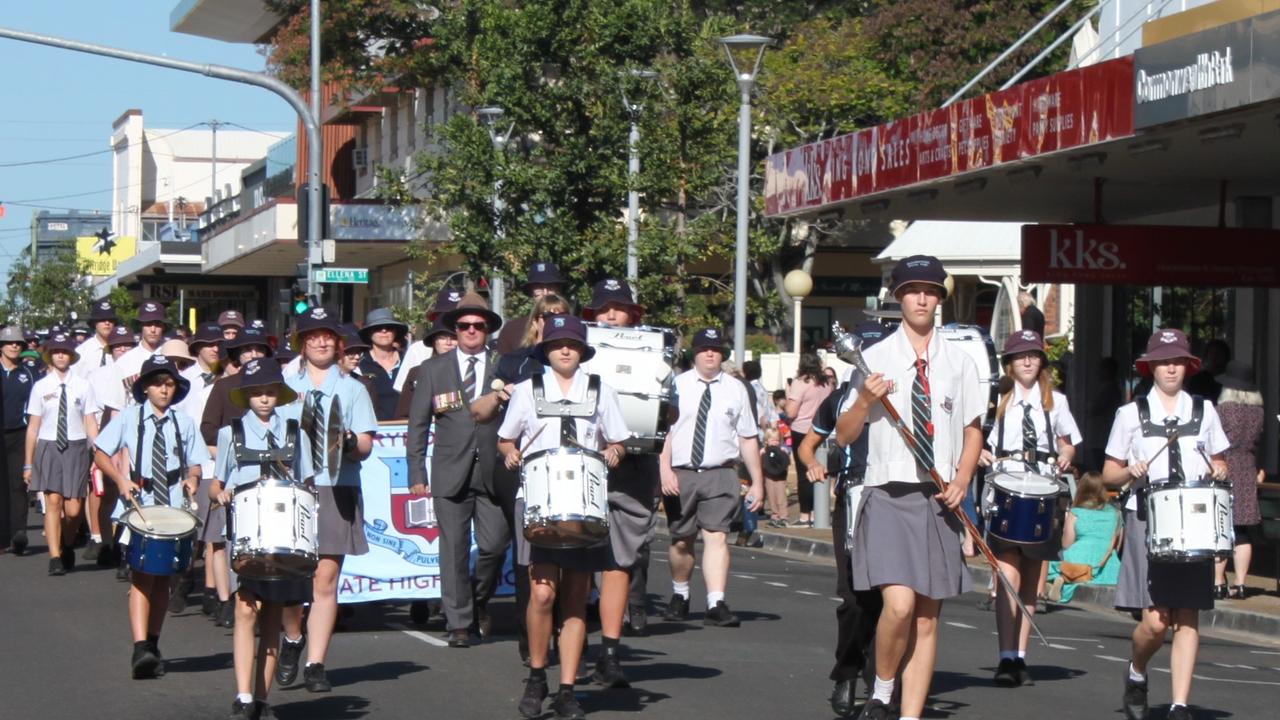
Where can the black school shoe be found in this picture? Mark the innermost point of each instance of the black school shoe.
(637, 624)
(68, 558)
(720, 616)
(287, 665)
(56, 567)
(242, 710)
(1022, 674)
(315, 679)
(677, 609)
(92, 550)
(227, 614)
(1180, 712)
(145, 661)
(209, 602)
(876, 710)
(1006, 673)
(19, 543)
(264, 710)
(609, 673)
(535, 691)
(842, 698)
(1135, 698)
(566, 706)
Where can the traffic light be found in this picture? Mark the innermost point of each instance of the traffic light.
(299, 300)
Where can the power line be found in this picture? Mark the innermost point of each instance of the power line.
(26, 163)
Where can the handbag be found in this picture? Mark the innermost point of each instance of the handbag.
(1075, 572)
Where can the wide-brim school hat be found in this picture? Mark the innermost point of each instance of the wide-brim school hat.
(206, 334)
(437, 328)
(472, 304)
(103, 310)
(176, 350)
(1021, 342)
(59, 342)
(158, 364)
(446, 300)
(316, 318)
(230, 318)
(152, 311)
(1169, 344)
(564, 327)
(918, 269)
(382, 318)
(12, 334)
(612, 291)
(258, 373)
(710, 338)
(248, 337)
(352, 340)
(542, 273)
(121, 336)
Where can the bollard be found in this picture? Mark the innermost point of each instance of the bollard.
(821, 494)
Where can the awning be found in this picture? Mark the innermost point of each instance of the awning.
(992, 249)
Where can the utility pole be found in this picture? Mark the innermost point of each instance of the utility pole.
(213, 152)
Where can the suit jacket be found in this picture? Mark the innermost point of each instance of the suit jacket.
(456, 438)
(219, 411)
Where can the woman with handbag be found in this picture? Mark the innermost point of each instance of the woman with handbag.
(1090, 536)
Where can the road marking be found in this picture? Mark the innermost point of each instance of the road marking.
(1264, 652)
(775, 584)
(807, 592)
(1230, 666)
(1112, 658)
(1226, 680)
(952, 623)
(1056, 646)
(836, 599)
(424, 637)
(744, 577)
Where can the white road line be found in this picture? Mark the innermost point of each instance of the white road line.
(1112, 658)
(836, 599)
(744, 577)
(953, 623)
(424, 637)
(807, 592)
(1230, 666)
(1264, 652)
(1227, 680)
(775, 584)
(1056, 646)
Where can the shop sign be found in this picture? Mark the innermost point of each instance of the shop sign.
(1151, 255)
(374, 222)
(1206, 72)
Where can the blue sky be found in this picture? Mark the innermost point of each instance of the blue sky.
(60, 103)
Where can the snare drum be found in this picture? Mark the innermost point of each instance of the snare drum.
(1024, 507)
(165, 547)
(566, 504)
(637, 363)
(272, 529)
(1189, 521)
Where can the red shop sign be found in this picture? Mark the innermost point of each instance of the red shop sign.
(1151, 255)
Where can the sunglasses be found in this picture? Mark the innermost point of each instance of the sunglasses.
(477, 326)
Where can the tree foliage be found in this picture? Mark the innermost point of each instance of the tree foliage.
(47, 291)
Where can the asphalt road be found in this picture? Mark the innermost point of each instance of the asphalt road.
(66, 651)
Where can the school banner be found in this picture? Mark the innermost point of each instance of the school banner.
(403, 562)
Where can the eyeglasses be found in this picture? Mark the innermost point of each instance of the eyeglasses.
(477, 326)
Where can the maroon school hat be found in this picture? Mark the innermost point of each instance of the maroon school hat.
(1169, 344)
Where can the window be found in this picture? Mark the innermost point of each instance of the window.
(151, 228)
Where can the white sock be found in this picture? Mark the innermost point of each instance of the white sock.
(904, 717)
(246, 698)
(1008, 654)
(1136, 676)
(1022, 654)
(883, 690)
(96, 538)
(291, 641)
(309, 664)
(713, 598)
(1176, 705)
(680, 588)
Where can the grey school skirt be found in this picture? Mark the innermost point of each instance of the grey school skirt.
(633, 488)
(340, 522)
(215, 520)
(65, 473)
(906, 537)
(1145, 584)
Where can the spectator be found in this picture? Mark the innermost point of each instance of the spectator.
(1240, 409)
(765, 411)
(386, 337)
(774, 465)
(1032, 318)
(807, 391)
(1090, 538)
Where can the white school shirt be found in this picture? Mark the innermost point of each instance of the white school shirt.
(93, 355)
(193, 404)
(957, 400)
(728, 421)
(482, 358)
(1127, 444)
(605, 426)
(418, 353)
(45, 397)
(1064, 424)
(112, 393)
(105, 390)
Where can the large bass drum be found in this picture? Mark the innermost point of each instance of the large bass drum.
(637, 362)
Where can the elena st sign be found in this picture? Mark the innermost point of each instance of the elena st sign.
(1150, 255)
(1210, 71)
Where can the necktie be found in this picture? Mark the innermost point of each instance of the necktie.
(1029, 439)
(159, 463)
(568, 431)
(313, 425)
(469, 378)
(102, 359)
(922, 414)
(1175, 453)
(62, 419)
(700, 427)
(273, 467)
(208, 378)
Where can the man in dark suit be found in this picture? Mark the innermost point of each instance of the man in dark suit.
(462, 461)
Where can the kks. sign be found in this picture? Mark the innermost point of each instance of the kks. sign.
(1151, 255)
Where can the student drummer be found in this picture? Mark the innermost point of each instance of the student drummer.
(906, 544)
(271, 423)
(167, 452)
(1032, 419)
(1171, 436)
(560, 574)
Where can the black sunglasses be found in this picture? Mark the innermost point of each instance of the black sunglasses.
(478, 326)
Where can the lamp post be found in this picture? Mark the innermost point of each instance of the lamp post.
(798, 285)
(633, 171)
(741, 48)
(491, 116)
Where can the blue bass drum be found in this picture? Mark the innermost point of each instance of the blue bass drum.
(1024, 507)
(164, 548)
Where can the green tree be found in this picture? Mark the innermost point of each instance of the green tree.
(46, 292)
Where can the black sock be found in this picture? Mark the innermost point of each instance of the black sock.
(566, 689)
(154, 641)
(538, 674)
(142, 645)
(609, 644)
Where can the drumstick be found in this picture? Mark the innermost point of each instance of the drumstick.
(917, 452)
(1125, 488)
(138, 508)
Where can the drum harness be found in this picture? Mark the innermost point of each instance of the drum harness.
(172, 476)
(1152, 429)
(273, 460)
(566, 410)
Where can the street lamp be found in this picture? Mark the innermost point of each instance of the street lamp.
(798, 285)
(491, 116)
(740, 50)
(633, 172)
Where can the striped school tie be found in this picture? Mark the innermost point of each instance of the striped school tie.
(313, 425)
(922, 413)
(273, 468)
(159, 462)
(1029, 436)
(1175, 453)
(62, 419)
(700, 427)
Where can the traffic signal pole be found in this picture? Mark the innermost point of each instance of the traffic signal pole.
(308, 115)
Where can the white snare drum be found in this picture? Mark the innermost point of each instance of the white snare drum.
(637, 363)
(566, 501)
(1189, 521)
(272, 529)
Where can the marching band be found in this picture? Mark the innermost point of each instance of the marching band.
(565, 444)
